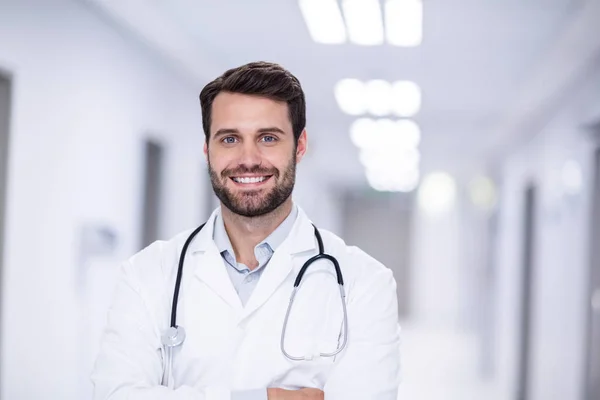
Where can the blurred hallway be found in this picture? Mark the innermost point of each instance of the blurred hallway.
(458, 142)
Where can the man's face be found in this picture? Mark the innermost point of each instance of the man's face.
(251, 153)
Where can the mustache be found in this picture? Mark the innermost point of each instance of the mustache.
(256, 169)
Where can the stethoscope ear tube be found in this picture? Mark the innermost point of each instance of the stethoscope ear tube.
(338, 272)
(340, 281)
(179, 275)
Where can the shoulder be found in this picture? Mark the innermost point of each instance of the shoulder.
(157, 262)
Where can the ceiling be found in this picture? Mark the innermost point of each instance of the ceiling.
(475, 61)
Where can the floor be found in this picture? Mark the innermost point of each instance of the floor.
(442, 364)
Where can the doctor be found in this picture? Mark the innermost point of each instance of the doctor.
(239, 272)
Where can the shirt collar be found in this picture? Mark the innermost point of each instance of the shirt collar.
(273, 241)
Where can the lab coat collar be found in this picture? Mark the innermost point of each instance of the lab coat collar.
(209, 266)
(302, 233)
(281, 265)
(211, 269)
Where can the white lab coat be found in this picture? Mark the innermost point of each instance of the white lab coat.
(232, 347)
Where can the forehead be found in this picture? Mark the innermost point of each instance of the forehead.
(241, 111)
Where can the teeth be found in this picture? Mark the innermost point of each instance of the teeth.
(250, 179)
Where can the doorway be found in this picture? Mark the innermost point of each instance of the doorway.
(527, 283)
(5, 108)
(380, 224)
(153, 167)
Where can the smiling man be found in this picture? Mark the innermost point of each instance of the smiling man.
(273, 307)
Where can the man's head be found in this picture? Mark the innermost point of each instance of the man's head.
(254, 119)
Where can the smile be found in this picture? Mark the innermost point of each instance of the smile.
(250, 179)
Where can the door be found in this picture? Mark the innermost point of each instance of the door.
(152, 192)
(5, 106)
(527, 281)
(381, 226)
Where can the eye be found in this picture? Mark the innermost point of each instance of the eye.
(228, 140)
(269, 139)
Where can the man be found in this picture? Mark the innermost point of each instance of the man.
(239, 273)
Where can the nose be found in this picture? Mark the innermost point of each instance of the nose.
(250, 155)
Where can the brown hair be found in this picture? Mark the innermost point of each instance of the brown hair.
(259, 78)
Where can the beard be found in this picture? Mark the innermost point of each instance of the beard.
(254, 203)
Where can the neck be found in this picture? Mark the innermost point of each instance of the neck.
(247, 232)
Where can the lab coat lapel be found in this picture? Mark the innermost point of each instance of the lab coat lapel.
(210, 267)
(300, 240)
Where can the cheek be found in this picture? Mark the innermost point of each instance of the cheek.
(279, 159)
(220, 161)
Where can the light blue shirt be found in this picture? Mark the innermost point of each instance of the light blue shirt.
(243, 279)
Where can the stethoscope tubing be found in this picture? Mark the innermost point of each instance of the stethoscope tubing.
(175, 335)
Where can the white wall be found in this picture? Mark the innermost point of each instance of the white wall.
(561, 255)
(85, 96)
(436, 268)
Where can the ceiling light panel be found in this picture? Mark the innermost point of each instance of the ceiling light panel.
(404, 22)
(350, 96)
(405, 98)
(378, 97)
(437, 193)
(396, 161)
(367, 133)
(324, 21)
(388, 151)
(364, 22)
(378, 94)
(393, 183)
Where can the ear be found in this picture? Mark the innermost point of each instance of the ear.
(302, 146)
(205, 149)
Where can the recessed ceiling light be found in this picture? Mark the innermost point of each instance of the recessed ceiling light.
(437, 194)
(404, 22)
(405, 98)
(389, 160)
(350, 96)
(404, 182)
(364, 22)
(324, 21)
(379, 97)
(367, 133)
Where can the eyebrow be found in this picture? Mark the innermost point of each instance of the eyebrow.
(231, 131)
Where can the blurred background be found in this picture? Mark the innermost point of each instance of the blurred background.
(456, 141)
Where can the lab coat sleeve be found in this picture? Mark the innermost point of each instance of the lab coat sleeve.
(129, 363)
(369, 368)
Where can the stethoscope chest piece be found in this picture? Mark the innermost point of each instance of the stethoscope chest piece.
(173, 337)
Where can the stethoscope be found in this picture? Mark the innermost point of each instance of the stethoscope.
(174, 336)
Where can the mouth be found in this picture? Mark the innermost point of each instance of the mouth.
(250, 181)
